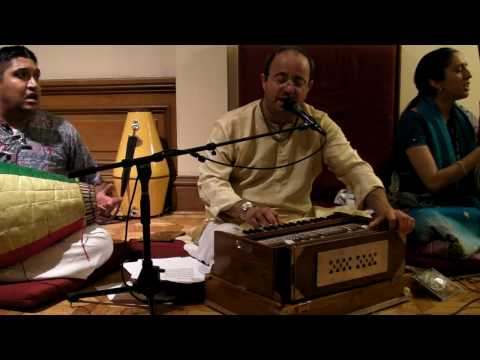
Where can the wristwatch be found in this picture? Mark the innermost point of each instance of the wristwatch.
(244, 207)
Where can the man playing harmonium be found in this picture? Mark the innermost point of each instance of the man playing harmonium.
(47, 221)
(236, 196)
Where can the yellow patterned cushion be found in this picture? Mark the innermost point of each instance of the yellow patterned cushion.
(36, 210)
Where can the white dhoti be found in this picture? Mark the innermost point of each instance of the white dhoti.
(205, 249)
(77, 256)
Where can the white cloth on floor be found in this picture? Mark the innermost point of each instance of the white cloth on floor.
(77, 256)
(204, 250)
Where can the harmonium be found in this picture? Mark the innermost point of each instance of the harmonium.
(332, 265)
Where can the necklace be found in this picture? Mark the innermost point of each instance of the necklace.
(273, 127)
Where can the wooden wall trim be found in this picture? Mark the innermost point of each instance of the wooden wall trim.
(93, 101)
(84, 97)
(108, 86)
(112, 109)
(185, 195)
(98, 108)
(232, 66)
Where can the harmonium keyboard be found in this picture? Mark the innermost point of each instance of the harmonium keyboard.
(299, 261)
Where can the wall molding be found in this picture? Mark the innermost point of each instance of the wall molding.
(113, 109)
(108, 86)
(101, 105)
(185, 196)
(232, 80)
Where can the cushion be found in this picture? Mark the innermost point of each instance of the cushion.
(33, 294)
(30, 201)
(160, 249)
(433, 255)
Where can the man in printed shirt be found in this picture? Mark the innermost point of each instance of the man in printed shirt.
(235, 196)
(33, 138)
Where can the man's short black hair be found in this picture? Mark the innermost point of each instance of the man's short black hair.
(8, 53)
(279, 50)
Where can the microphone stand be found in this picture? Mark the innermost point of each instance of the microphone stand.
(148, 282)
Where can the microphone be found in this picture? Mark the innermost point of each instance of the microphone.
(297, 109)
(131, 144)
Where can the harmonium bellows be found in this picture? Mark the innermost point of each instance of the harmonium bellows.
(295, 262)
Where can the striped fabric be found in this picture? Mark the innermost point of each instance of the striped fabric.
(37, 209)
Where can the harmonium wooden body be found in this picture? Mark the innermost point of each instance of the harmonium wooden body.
(332, 265)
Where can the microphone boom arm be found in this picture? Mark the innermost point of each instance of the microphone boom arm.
(174, 152)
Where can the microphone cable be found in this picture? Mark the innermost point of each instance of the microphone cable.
(202, 159)
(291, 107)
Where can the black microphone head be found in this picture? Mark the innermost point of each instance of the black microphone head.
(131, 144)
(290, 105)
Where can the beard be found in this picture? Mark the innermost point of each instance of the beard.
(19, 116)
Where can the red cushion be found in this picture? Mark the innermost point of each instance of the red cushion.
(32, 294)
(417, 256)
(160, 249)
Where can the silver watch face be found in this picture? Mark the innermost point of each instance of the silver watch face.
(246, 205)
(244, 208)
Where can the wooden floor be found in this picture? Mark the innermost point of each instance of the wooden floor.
(420, 303)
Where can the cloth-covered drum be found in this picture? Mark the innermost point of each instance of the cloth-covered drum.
(37, 209)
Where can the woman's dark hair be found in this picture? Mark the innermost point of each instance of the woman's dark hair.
(8, 53)
(431, 67)
(279, 50)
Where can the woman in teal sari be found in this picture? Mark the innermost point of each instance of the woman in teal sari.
(437, 156)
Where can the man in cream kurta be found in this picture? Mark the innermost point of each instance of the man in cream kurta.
(286, 189)
(236, 196)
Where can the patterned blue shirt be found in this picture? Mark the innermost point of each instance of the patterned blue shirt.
(48, 143)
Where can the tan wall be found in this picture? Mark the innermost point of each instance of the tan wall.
(202, 96)
(411, 54)
(105, 61)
